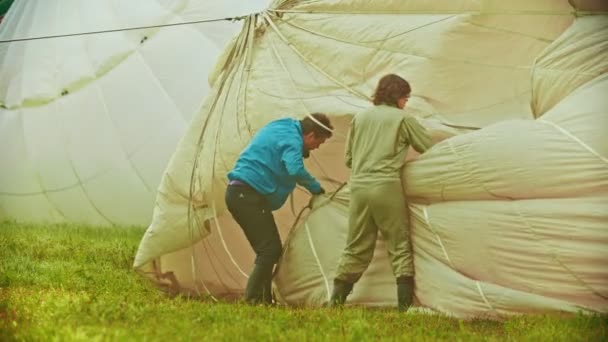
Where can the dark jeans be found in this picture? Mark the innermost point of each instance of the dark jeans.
(252, 212)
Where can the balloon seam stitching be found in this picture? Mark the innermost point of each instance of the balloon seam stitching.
(314, 253)
(438, 238)
(576, 139)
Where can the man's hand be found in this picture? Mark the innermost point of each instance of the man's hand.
(315, 196)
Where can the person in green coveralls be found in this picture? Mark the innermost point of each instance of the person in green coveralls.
(376, 149)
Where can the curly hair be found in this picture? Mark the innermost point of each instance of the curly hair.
(390, 89)
(308, 125)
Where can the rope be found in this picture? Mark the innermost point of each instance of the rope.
(295, 223)
(219, 230)
(315, 66)
(445, 12)
(194, 275)
(121, 29)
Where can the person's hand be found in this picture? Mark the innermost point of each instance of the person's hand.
(315, 196)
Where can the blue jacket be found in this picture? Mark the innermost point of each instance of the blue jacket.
(272, 163)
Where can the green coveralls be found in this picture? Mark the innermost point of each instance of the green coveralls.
(376, 149)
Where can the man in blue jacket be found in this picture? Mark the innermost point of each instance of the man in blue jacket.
(265, 173)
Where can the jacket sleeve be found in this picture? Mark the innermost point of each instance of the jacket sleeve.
(294, 163)
(413, 133)
(349, 143)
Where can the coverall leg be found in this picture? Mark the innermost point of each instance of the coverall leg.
(380, 206)
(361, 239)
(390, 214)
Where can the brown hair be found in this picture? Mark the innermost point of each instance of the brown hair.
(390, 89)
(309, 125)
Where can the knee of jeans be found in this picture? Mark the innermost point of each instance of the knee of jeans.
(270, 254)
(275, 252)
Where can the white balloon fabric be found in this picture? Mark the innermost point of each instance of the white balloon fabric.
(508, 209)
(89, 121)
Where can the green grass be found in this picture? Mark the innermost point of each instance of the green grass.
(68, 282)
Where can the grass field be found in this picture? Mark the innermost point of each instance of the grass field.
(68, 282)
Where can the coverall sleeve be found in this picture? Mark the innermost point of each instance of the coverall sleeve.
(415, 134)
(292, 159)
(349, 144)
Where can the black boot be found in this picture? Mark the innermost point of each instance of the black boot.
(259, 285)
(405, 292)
(341, 291)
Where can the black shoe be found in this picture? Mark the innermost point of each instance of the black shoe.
(341, 290)
(405, 292)
(258, 290)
